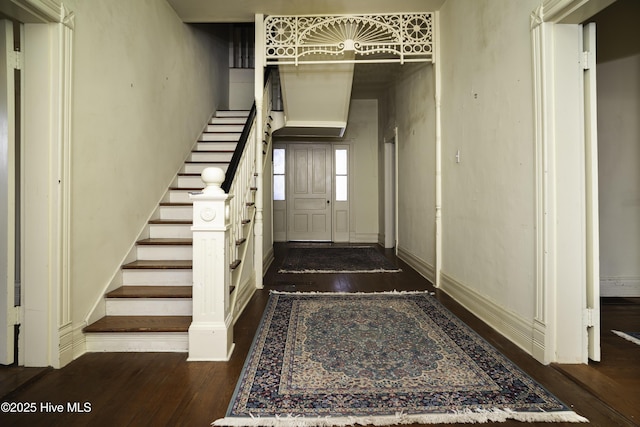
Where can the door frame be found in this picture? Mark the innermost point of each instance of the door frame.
(9, 180)
(561, 314)
(46, 324)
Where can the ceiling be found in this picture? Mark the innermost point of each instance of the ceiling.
(203, 11)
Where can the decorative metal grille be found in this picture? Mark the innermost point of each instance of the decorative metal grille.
(406, 37)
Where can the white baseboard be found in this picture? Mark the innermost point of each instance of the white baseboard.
(65, 345)
(363, 237)
(620, 286)
(515, 328)
(421, 266)
(268, 259)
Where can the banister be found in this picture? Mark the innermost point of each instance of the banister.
(242, 142)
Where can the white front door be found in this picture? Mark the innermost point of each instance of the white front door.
(309, 168)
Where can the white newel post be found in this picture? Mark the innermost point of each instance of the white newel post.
(211, 330)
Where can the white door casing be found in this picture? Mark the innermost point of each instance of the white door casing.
(592, 310)
(8, 223)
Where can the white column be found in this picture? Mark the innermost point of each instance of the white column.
(211, 331)
(259, 97)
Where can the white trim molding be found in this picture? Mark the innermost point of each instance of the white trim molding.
(39, 11)
(425, 269)
(555, 316)
(517, 329)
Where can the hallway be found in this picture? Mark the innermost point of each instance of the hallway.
(139, 389)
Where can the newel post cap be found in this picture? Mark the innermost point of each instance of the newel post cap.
(213, 178)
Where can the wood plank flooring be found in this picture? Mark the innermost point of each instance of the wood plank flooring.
(163, 389)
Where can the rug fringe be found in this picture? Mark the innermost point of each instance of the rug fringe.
(466, 417)
(394, 292)
(378, 270)
(626, 336)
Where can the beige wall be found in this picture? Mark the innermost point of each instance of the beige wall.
(409, 105)
(144, 86)
(487, 114)
(362, 131)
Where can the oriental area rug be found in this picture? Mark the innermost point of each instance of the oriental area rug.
(348, 259)
(634, 337)
(339, 359)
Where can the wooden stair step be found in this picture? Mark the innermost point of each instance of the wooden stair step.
(240, 241)
(219, 130)
(176, 203)
(171, 221)
(165, 241)
(141, 324)
(204, 162)
(151, 292)
(235, 264)
(215, 151)
(159, 264)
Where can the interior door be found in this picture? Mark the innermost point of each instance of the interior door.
(591, 169)
(310, 192)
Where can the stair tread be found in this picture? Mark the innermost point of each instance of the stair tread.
(151, 292)
(172, 221)
(158, 264)
(204, 162)
(170, 241)
(215, 151)
(176, 204)
(140, 324)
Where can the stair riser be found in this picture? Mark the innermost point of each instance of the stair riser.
(159, 277)
(239, 121)
(170, 231)
(190, 182)
(180, 196)
(238, 113)
(176, 212)
(220, 136)
(217, 145)
(164, 252)
(222, 156)
(138, 342)
(199, 167)
(219, 127)
(204, 156)
(149, 307)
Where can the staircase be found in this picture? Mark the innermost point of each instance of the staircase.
(152, 309)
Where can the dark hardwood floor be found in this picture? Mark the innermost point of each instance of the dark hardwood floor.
(163, 389)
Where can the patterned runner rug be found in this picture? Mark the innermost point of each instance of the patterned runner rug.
(335, 359)
(634, 337)
(352, 259)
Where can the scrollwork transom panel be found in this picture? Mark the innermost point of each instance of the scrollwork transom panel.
(406, 37)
